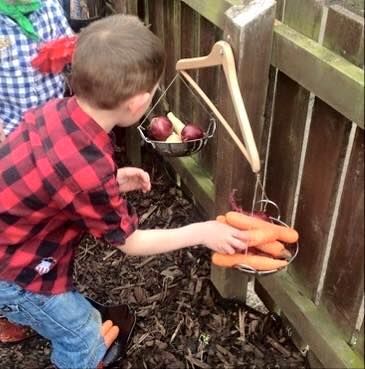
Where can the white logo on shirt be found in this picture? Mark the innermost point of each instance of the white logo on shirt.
(45, 265)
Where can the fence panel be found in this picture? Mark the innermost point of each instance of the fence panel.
(344, 280)
(312, 152)
(345, 35)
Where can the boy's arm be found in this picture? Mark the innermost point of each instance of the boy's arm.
(105, 214)
(216, 236)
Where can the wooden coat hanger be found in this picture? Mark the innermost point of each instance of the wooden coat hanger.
(221, 54)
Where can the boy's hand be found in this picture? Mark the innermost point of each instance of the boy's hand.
(132, 179)
(222, 237)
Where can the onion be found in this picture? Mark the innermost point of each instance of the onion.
(160, 128)
(234, 206)
(258, 214)
(191, 132)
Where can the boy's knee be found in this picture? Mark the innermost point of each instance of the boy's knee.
(82, 349)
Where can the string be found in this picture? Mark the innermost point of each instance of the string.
(196, 97)
(159, 99)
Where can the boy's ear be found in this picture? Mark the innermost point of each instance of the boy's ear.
(138, 102)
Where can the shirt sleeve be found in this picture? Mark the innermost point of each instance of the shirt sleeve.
(104, 213)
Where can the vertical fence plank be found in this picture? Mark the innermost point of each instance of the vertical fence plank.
(156, 10)
(250, 38)
(120, 6)
(132, 7)
(133, 139)
(304, 16)
(290, 113)
(346, 264)
(172, 26)
(345, 34)
(208, 81)
(280, 4)
(327, 142)
(189, 49)
(251, 43)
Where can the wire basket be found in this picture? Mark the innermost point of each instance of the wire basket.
(177, 149)
(293, 248)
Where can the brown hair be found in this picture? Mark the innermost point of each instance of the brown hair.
(116, 58)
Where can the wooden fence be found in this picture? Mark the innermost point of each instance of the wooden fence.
(302, 80)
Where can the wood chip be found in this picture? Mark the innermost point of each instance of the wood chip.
(197, 362)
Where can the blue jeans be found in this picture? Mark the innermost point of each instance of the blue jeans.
(68, 320)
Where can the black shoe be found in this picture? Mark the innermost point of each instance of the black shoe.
(123, 317)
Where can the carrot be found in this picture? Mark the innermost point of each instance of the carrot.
(259, 236)
(221, 219)
(105, 327)
(276, 249)
(111, 335)
(247, 222)
(257, 262)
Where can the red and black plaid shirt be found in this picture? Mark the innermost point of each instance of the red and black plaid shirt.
(57, 182)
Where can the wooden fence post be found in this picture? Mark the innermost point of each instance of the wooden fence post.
(249, 30)
(133, 139)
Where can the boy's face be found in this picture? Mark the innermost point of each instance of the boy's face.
(136, 107)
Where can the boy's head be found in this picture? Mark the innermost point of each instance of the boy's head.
(116, 59)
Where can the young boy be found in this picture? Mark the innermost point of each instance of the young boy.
(25, 25)
(58, 181)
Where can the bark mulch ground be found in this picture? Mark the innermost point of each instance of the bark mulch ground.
(182, 323)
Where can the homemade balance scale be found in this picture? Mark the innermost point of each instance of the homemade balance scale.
(220, 55)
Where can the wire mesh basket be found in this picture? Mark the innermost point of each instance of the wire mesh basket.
(177, 149)
(292, 248)
(269, 216)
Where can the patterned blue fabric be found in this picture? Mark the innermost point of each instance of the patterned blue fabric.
(21, 86)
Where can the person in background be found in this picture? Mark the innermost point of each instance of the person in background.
(25, 25)
(58, 168)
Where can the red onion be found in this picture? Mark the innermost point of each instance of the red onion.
(191, 132)
(259, 214)
(160, 128)
(235, 207)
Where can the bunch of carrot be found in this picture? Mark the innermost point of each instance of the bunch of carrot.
(265, 242)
